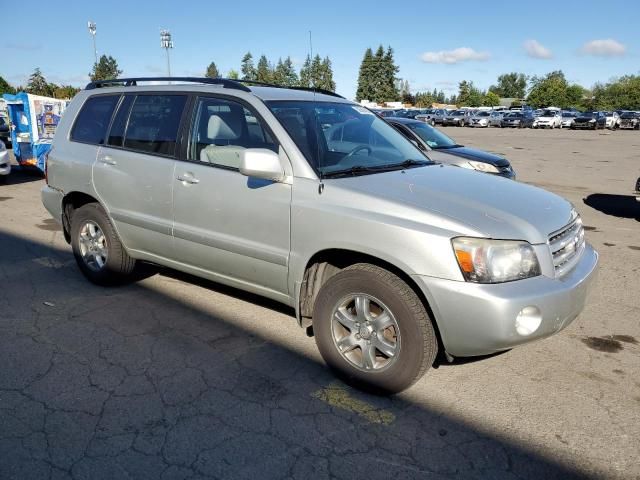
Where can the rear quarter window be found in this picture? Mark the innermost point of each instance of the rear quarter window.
(93, 120)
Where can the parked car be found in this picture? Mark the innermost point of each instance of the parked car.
(521, 119)
(495, 120)
(637, 192)
(568, 118)
(630, 120)
(434, 118)
(456, 117)
(548, 119)
(5, 163)
(442, 149)
(480, 119)
(5, 132)
(385, 256)
(590, 120)
(612, 120)
(385, 112)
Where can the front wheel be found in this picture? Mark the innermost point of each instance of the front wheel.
(96, 247)
(373, 330)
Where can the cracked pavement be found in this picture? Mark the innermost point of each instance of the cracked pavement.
(174, 377)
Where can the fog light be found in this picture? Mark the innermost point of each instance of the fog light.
(528, 320)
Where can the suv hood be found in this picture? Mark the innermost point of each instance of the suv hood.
(474, 154)
(491, 206)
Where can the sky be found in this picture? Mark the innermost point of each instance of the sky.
(436, 43)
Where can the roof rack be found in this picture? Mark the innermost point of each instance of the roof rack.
(225, 82)
(306, 89)
(132, 82)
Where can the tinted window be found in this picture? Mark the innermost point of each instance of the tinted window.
(116, 133)
(153, 123)
(93, 120)
(222, 129)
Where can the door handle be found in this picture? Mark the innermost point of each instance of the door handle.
(107, 160)
(188, 178)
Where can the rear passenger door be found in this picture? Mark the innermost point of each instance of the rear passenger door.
(226, 224)
(134, 170)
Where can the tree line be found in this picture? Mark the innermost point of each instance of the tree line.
(315, 72)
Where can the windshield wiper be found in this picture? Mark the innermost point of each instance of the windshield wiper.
(363, 169)
(444, 147)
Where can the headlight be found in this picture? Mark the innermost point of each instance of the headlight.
(481, 167)
(592, 120)
(495, 261)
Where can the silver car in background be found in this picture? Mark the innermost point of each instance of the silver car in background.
(480, 118)
(309, 199)
(568, 118)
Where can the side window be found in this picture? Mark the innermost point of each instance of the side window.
(153, 123)
(222, 129)
(116, 134)
(93, 120)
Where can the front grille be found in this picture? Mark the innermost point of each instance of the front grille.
(567, 245)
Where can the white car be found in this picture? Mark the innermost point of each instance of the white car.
(613, 120)
(548, 119)
(5, 163)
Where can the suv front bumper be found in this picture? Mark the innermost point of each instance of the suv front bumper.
(478, 319)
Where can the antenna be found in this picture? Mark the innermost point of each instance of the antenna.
(313, 80)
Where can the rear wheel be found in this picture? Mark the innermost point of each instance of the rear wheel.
(96, 247)
(373, 330)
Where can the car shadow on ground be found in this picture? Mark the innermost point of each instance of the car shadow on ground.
(622, 206)
(140, 382)
(19, 175)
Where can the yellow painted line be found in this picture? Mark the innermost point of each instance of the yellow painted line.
(337, 395)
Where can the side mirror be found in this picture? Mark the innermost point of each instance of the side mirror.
(261, 163)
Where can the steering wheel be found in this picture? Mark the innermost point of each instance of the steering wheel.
(357, 149)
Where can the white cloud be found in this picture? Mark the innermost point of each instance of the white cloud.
(604, 48)
(536, 50)
(457, 55)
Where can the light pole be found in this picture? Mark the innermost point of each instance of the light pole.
(92, 30)
(166, 43)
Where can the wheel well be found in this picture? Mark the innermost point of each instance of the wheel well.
(70, 203)
(323, 265)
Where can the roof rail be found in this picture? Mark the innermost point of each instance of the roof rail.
(306, 89)
(131, 82)
(225, 82)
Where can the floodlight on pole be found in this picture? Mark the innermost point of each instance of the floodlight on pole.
(92, 30)
(166, 43)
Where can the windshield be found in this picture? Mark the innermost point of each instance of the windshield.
(548, 113)
(432, 137)
(568, 114)
(457, 113)
(588, 114)
(628, 115)
(514, 115)
(335, 137)
(483, 114)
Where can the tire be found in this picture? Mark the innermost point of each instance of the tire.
(415, 344)
(96, 247)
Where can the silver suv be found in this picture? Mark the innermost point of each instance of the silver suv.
(309, 199)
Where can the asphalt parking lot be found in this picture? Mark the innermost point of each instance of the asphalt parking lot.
(175, 377)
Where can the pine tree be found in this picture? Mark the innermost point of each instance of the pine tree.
(105, 69)
(5, 87)
(285, 74)
(247, 68)
(365, 88)
(212, 71)
(38, 85)
(264, 72)
(305, 73)
(390, 69)
(326, 76)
